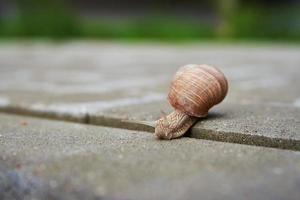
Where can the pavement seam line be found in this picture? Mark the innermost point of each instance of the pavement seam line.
(195, 132)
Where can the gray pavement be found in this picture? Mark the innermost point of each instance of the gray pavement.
(118, 85)
(43, 159)
(105, 86)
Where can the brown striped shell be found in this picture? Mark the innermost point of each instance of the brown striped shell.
(196, 88)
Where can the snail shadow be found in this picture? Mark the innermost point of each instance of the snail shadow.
(210, 117)
(214, 115)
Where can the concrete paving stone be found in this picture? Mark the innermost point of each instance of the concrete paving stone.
(50, 159)
(260, 124)
(107, 83)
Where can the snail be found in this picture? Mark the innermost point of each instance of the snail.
(193, 91)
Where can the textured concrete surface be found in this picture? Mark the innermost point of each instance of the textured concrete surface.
(107, 83)
(262, 125)
(53, 160)
(257, 124)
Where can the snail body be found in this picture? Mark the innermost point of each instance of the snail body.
(193, 91)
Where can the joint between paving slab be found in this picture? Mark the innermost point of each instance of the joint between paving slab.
(247, 139)
(85, 119)
(48, 115)
(195, 132)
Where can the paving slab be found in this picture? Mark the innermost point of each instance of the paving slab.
(117, 85)
(52, 160)
(257, 124)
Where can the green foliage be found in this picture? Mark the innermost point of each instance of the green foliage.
(152, 28)
(255, 23)
(55, 19)
(42, 18)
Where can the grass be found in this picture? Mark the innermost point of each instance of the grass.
(58, 23)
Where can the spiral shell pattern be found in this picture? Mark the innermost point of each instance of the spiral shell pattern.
(196, 88)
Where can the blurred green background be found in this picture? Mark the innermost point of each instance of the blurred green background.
(166, 20)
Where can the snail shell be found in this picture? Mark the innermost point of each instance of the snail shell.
(196, 88)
